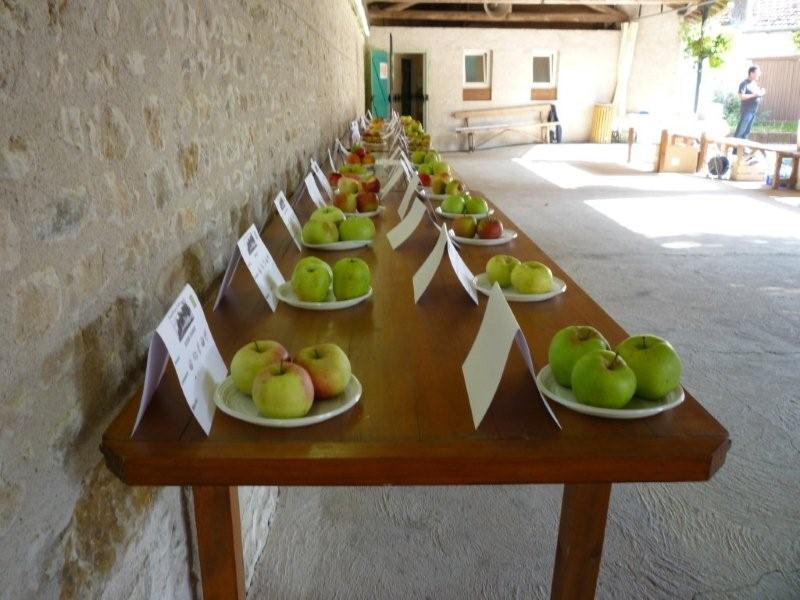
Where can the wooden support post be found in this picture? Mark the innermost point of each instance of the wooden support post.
(793, 176)
(584, 509)
(219, 542)
(631, 137)
(702, 156)
(776, 177)
(662, 151)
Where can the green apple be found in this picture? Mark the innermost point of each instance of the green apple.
(253, 357)
(328, 366)
(601, 378)
(418, 157)
(453, 204)
(532, 277)
(425, 169)
(474, 205)
(465, 226)
(440, 167)
(348, 186)
(313, 260)
(283, 390)
(356, 228)
(432, 157)
(351, 278)
(570, 344)
(311, 281)
(439, 183)
(331, 214)
(454, 187)
(320, 232)
(655, 362)
(499, 269)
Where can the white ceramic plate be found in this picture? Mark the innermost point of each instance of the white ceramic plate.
(351, 245)
(372, 213)
(448, 215)
(508, 235)
(635, 409)
(484, 286)
(426, 191)
(240, 406)
(286, 294)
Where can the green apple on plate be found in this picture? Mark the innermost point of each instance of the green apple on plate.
(654, 361)
(425, 169)
(432, 157)
(602, 378)
(568, 346)
(328, 367)
(351, 278)
(418, 157)
(320, 232)
(453, 204)
(311, 280)
(465, 226)
(532, 277)
(440, 167)
(329, 213)
(348, 186)
(283, 390)
(356, 228)
(475, 205)
(499, 269)
(454, 187)
(253, 357)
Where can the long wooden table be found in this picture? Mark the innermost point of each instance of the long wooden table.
(413, 424)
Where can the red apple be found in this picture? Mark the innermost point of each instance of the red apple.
(367, 201)
(425, 179)
(465, 226)
(345, 202)
(359, 150)
(372, 184)
(490, 228)
(353, 159)
(328, 366)
(333, 178)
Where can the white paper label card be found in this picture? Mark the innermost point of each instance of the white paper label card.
(340, 147)
(401, 232)
(462, 271)
(484, 366)
(412, 187)
(313, 191)
(198, 364)
(289, 219)
(261, 265)
(525, 350)
(424, 275)
(323, 181)
(331, 161)
(393, 179)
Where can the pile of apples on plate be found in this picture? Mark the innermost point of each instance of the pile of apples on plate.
(529, 277)
(286, 388)
(328, 225)
(359, 156)
(433, 171)
(418, 139)
(464, 204)
(313, 280)
(349, 198)
(373, 133)
(348, 179)
(645, 366)
(488, 228)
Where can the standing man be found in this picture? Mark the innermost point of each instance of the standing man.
(750, 94)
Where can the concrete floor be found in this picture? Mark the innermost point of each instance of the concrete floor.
(714, 268)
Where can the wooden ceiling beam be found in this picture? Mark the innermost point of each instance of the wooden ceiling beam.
(550, 16)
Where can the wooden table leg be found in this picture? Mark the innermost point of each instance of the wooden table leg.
(776, 177)
(219, 541)
(584, 508)
(631, 137)
(794, 175)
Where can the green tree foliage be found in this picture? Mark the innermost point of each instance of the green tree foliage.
(796, 36)
(700, 45)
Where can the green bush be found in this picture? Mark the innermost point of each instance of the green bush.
(796, 36)
(730, 107)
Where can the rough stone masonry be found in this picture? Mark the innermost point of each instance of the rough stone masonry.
(138, 139)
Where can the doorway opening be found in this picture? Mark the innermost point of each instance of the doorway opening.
(408, 85)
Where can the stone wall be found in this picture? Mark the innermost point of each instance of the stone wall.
(137, 140)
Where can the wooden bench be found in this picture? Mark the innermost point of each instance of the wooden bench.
(539, 122)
